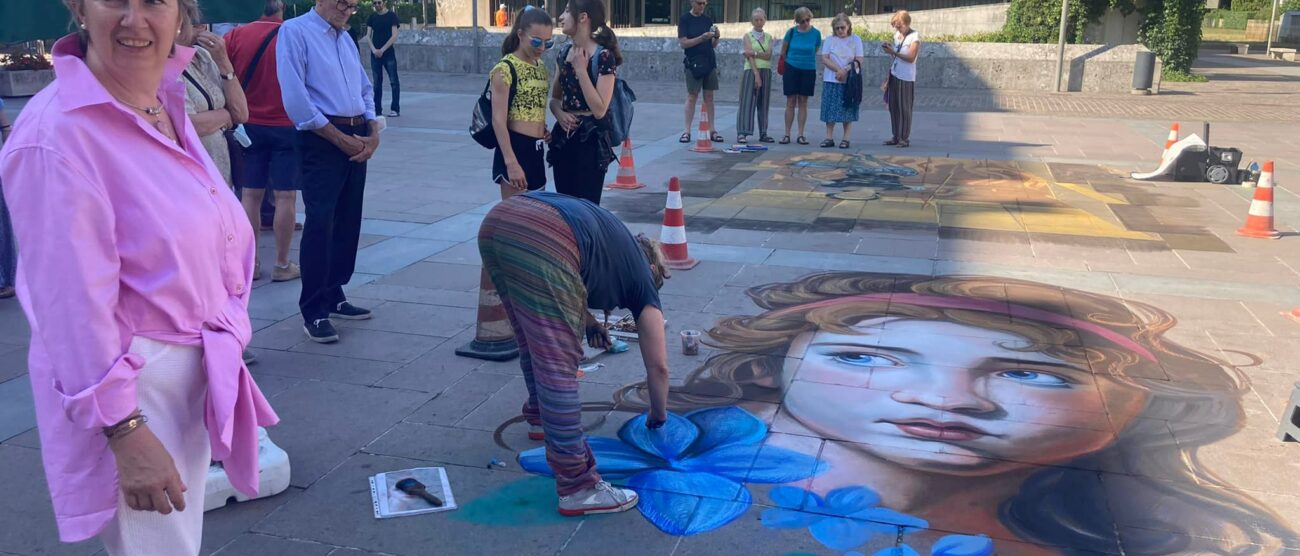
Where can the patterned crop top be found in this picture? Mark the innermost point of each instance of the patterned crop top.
(570, 89)
(531, 93)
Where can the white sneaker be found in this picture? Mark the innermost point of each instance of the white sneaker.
(602, 498)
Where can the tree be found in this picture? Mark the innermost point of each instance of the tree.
(1172, 29)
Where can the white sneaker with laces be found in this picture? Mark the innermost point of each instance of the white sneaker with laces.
(603, 498)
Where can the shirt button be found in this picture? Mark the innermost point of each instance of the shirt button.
(239, 288)
(212, 190)
(230, 237)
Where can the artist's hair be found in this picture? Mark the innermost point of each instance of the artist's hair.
(654, 254)
(524, 21)
(1058, 505)
(842, 18)
(802, 13)
(757, 12)
(273, 7)
(901, 16)
(600, 29)
(187, 10)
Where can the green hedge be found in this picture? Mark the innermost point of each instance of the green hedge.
(1040, 21)
(1227, 19)
(1251, 6)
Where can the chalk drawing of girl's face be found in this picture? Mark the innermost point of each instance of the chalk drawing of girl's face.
(951, 398)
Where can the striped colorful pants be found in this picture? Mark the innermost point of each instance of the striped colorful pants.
(530, 253)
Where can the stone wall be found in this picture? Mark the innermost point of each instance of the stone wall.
(1022, 67)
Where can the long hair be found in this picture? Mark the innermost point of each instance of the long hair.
(524, 20)
(1058, 505)
(600, 30)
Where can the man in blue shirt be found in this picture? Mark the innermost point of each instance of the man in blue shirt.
(329, 98)
(698, 36)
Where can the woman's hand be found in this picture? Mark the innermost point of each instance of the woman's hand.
(884, 87)
(567, 121)
(215, 46)
(598, 335)
(654, 353)
(841, 75)
(888, 48)
(758, 80)
(580, 58)
(146, 473)
(515, 175)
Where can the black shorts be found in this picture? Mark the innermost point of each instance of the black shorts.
(529, 151)
(798, 82)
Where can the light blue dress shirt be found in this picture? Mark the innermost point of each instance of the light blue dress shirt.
(320, 73)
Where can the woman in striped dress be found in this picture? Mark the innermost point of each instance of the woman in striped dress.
(552, 257)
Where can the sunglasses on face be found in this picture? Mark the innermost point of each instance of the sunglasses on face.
(538, 43)
(801, 21)
(840, 28)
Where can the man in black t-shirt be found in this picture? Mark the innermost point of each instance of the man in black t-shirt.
(381, 33)
(698, 36)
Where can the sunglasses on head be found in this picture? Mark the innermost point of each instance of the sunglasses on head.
(537, 43)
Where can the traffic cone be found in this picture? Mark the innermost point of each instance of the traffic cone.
(1259, 221)
(494, 339)
(704, 137)
(672, 236)
(1173, 138)
(1294, 314)
(626, 170)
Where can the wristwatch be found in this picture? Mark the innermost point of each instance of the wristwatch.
(228, 76)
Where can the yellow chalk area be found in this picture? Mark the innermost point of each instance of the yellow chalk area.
(1089, 192)
(1072, 221)
(979, 216)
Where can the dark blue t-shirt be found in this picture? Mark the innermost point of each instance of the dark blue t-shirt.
(691, 26)
(614, 268)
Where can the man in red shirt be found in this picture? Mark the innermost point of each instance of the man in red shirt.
(272, 161)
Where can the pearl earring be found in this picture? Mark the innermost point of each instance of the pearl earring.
(83, 26)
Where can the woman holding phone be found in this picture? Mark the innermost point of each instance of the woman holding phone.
(900, 85)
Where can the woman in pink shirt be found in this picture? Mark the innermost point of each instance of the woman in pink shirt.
(134, 274)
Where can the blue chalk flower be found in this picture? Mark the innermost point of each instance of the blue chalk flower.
(846, 518)
(690, 473)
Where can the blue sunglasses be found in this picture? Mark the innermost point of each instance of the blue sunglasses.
(537, 43)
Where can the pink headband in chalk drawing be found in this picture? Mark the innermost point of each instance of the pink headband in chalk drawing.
(988, 306)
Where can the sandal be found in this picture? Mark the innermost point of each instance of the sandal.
(717, 137)
(769, 139)
(844, 144)
(890, 142)
(784, 140)
(827, 143)
(801, 140)
(685, 138)
(742, 140)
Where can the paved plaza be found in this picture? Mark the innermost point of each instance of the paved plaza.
(991, 343)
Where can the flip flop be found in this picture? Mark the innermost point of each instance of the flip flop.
(742, 140)
(785, 140)
(827, 143)
(685, 138)
(801, 140)
(717, 137)
(844, 144)
(769, 139)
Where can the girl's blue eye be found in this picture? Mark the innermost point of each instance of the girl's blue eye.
(864, 360)
(1036, 378)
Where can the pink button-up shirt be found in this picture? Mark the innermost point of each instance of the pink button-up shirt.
(123, 233)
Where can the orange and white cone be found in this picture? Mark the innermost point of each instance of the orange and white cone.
(672, 236)
(1173, 138)
(704, 137)
(1294, 314)
(494, 339)
(626, 170)
(1259, 221)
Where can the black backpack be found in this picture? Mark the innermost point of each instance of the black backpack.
(480, 124)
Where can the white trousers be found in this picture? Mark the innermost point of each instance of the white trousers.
(171, 390)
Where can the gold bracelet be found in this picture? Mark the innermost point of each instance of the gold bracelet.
(126, 426)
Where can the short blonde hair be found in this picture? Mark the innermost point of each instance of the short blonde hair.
(802, 13)
(842, 18)
(901, 16)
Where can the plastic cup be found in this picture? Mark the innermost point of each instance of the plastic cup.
(690, 342)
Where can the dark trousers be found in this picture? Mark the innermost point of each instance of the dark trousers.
(332, 191)
(378, 66)
(579, 162)
(901, 95)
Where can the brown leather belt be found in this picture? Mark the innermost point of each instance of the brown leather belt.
(352, 121)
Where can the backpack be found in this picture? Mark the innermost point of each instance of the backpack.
(619, 114)
(480, 124)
